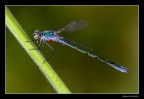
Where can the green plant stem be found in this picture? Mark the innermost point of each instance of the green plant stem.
(36, 56)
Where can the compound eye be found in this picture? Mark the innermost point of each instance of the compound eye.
(36, 32)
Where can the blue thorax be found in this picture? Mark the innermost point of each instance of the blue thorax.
(48, 33)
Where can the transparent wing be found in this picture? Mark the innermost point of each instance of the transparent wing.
(79, 45)
(74, 26)
(82, 49)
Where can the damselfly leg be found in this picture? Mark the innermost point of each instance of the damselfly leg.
(42, 43)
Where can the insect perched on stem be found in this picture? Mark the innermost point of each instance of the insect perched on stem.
(53, 36)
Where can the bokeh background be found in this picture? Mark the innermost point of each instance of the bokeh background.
(112, 33)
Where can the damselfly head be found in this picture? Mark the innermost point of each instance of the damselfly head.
(36, 34)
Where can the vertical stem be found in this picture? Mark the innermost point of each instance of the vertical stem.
(36, 56)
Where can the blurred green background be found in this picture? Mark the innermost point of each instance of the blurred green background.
(112, 33)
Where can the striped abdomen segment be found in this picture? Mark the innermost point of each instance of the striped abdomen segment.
(112, 64)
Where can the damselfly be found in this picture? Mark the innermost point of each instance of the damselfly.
(53, 36)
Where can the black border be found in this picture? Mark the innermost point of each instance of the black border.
(76, 2)
(73, 2)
